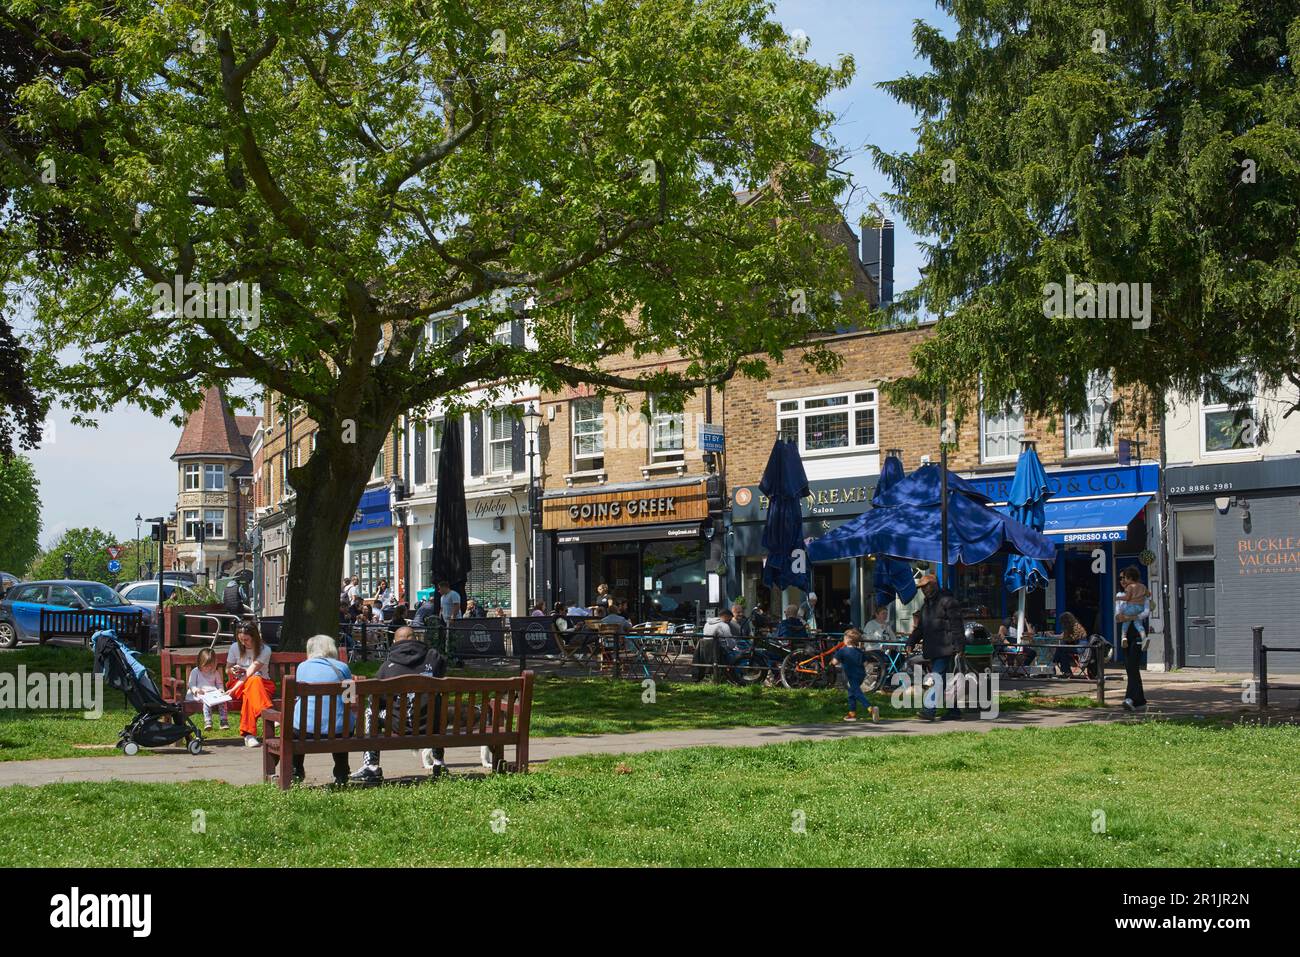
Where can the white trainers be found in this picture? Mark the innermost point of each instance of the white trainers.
(875, 713)
(250, 741)
(429, 761)
(485, 756)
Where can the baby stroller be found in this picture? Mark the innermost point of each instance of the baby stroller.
(157, 723)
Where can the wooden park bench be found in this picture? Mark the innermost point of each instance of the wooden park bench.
(76, 623)
(176, 666)
(420, 713)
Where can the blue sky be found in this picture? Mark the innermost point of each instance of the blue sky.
(104, 477)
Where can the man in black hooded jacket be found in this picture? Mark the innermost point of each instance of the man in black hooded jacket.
(407, 656)
(941, 631)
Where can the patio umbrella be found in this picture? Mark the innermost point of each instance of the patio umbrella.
(786, 485)
(450, 558)
(892, 578)
(910, 526)
(1029, 491)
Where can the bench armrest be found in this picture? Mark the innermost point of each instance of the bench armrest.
(271, 714)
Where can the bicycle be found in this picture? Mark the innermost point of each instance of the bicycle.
(883, 662)
(803, 670)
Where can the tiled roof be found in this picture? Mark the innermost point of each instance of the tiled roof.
(247, 425)
(212, 429)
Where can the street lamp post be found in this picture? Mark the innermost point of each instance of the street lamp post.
(532, 425)
(138, 520)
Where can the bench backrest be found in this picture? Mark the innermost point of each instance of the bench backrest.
(417, 711)
(77, 623)
(176, 669)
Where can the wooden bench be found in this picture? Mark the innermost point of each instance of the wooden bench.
(176, 666)
(456, 713)
(77, 623)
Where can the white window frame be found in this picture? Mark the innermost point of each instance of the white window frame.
(433, 429)
(1186, 515)
(582, 429)
(1210, 407)
(657, 421)
(377, 470)
(210, 470)
(503, 334)
(194, 472)
(189, 520)
(1014, 408)
(856, 402)
(1100, 389)
(215, 531)
(491, 417)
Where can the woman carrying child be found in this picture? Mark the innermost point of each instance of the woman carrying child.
(1131, 606)
(203, 679)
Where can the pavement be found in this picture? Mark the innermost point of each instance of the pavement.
(1170, 695)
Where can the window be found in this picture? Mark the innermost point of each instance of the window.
(286, 490)
(501, 335)
(191, 478)
(214, 478)
(1195, 534)
(1228, 426)
(490, 575)
(830, 423)
(667, 433)
(191, 521)
(1001, 431)
(214, 522)
(588, 434)
(500, 433)
(372, 565)
(1086, 434)
(377, 473)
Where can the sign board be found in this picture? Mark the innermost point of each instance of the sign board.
(114, 551)
(114, 567)
(642, 505)
(829, 498)
(711, 437)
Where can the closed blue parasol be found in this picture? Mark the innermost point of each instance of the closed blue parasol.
(909, 526)
(786, 485)
(892, 577)
(1029, 491)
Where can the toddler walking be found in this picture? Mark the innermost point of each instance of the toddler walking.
(853, 661)
(206, 677)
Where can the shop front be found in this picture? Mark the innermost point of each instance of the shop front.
(843, 588)
(1102, 520)
(372, 549)
(1235, 561)
(651, 543)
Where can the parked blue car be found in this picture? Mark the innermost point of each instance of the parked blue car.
(20, 611)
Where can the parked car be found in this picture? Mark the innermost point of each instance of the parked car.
(20, 610)
(184, 579)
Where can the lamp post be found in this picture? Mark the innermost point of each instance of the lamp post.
(532, 425)
(138, 520)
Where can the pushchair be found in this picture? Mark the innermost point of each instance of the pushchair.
(156, 723)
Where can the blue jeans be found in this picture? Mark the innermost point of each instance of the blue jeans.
(939, 667)
(855, 692)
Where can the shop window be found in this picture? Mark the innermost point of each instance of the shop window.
(371, 566)
(1001, 431)
(678, 584)
(1230, 421)
(500, 432)
(1087, 434)
(192, 478)
(831, 423)
(1195, 534)
(667, 433)
(489, 579)
(588, 435)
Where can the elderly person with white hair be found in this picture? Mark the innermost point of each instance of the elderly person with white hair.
(321, 667)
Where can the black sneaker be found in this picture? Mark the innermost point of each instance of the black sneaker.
(368, 775)
(950, 716)
(925, 715)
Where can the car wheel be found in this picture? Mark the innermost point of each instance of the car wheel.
(8, 635)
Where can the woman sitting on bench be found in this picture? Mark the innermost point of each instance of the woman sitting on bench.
(246, 667)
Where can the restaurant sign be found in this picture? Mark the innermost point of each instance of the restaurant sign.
(639, 506)
(829, 497)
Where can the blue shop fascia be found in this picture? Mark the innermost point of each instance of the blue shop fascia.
(1102, 519)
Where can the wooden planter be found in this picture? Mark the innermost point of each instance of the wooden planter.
(180, 633)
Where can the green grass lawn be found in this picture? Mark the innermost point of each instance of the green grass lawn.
(1171, 795)
(561, 707)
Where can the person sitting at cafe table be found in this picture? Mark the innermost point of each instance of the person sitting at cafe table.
(1025, 647)
(792, 625)
(740, 624)
(878, 629)
(618, 616)
(538, 610)
(1072, 633)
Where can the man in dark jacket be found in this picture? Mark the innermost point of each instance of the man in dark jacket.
(407, 656)
(940, 630)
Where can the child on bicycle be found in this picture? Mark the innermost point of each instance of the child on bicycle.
(853, 661)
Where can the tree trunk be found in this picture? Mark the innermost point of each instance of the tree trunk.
(327, 489)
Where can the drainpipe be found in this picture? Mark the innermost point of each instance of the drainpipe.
(1162, 502)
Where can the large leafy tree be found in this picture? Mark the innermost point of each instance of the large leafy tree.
(1117, 141)
(375, 164)
(20, 514)
(89, 550)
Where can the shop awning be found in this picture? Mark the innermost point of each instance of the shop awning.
(1090, 519)
(630, 533)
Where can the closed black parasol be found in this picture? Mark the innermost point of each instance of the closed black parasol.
(450, 521)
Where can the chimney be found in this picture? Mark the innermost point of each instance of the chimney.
(878, 256)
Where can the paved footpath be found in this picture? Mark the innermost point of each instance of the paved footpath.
(1171, 695)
